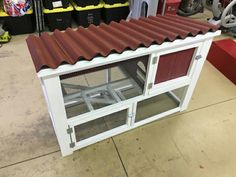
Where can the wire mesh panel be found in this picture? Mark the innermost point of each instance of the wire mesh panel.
(101, 125)
(159, 104)
(99, 87)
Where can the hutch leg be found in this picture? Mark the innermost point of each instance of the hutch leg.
(53, 94)
(189, 90)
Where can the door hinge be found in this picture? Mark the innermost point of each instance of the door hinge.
(69, 130)
(154, 61)
(198, 57)
(131, 115)
(72, 144)
(150, 85)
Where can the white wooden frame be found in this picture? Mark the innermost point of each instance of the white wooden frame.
(64, 128)
(106, 134)
(197, 51)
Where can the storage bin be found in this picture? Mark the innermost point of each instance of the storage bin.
(85, 16)
(51, 4)
(115, 12)
(114, 1)
(58, 18)
(18, 25)
(83, 3)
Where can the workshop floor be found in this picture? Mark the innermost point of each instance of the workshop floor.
(198, 142)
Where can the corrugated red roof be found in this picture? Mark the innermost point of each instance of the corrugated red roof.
(50, 51)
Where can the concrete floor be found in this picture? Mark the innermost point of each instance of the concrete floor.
(198, 142)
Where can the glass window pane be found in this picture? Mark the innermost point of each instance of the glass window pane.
(158, 104)
(100, 125)
(96, 88)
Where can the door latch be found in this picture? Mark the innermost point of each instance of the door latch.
(198, 57)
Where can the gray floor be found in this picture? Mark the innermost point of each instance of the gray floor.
(198, 142)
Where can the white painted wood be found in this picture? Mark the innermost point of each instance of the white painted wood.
(189, 91)
(194, 61)
(53, 92)
(194, 44)
(191, 69)
(73, 136)
(175, 97)
(130, 115)
(134, 110)
(108, 133)
(150, 71)
(80, 119)
(166, 86)
(170, 85)
(54, 97)
(101, 136)
(156, 117)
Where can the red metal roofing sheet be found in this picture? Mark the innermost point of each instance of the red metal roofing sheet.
(50, 51)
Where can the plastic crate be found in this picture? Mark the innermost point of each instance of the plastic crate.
(85, 16)
(51, 4)
(115, 12)
(58, 18)
(111, 2)
(18, 25)
(83, 3)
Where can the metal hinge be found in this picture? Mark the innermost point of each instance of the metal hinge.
(150, 85)
(72, 144)
(198, 57)
(154, 61)
(70, 131)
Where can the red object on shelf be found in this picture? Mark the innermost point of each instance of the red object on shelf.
(222, 55)
(174, 65)
(172, 6)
